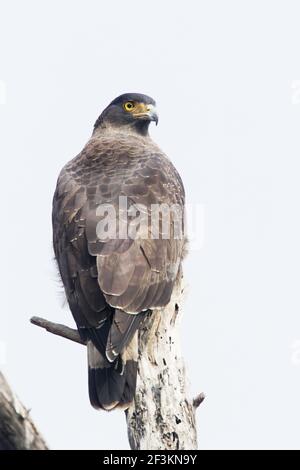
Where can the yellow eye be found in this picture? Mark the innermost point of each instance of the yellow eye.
(129, 105)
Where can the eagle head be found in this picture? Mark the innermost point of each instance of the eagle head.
(133, 110)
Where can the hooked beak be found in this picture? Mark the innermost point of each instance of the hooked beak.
(146, 112)
(152, 113)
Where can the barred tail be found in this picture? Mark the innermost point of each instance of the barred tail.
(110, 385)
(113, 372)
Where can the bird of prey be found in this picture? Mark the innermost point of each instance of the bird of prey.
(112, 283)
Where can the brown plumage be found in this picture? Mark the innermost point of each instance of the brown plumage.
(111, 283)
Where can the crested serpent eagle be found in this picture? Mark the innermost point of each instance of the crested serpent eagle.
(113, 282)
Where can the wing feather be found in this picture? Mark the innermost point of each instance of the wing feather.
(128, 274)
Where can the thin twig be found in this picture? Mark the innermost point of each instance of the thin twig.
(58, 329)
(198, 400)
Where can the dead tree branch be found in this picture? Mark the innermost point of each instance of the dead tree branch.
(17, 430)
(161, 416)
(58, 329)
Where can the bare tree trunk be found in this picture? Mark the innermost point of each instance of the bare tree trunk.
(161, 416)
(17, 430)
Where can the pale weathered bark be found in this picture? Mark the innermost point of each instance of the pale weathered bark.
(17, 430)
(161, 416)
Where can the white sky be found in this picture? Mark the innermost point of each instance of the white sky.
(224, 75)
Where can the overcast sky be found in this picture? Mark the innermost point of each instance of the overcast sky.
(226, 78)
